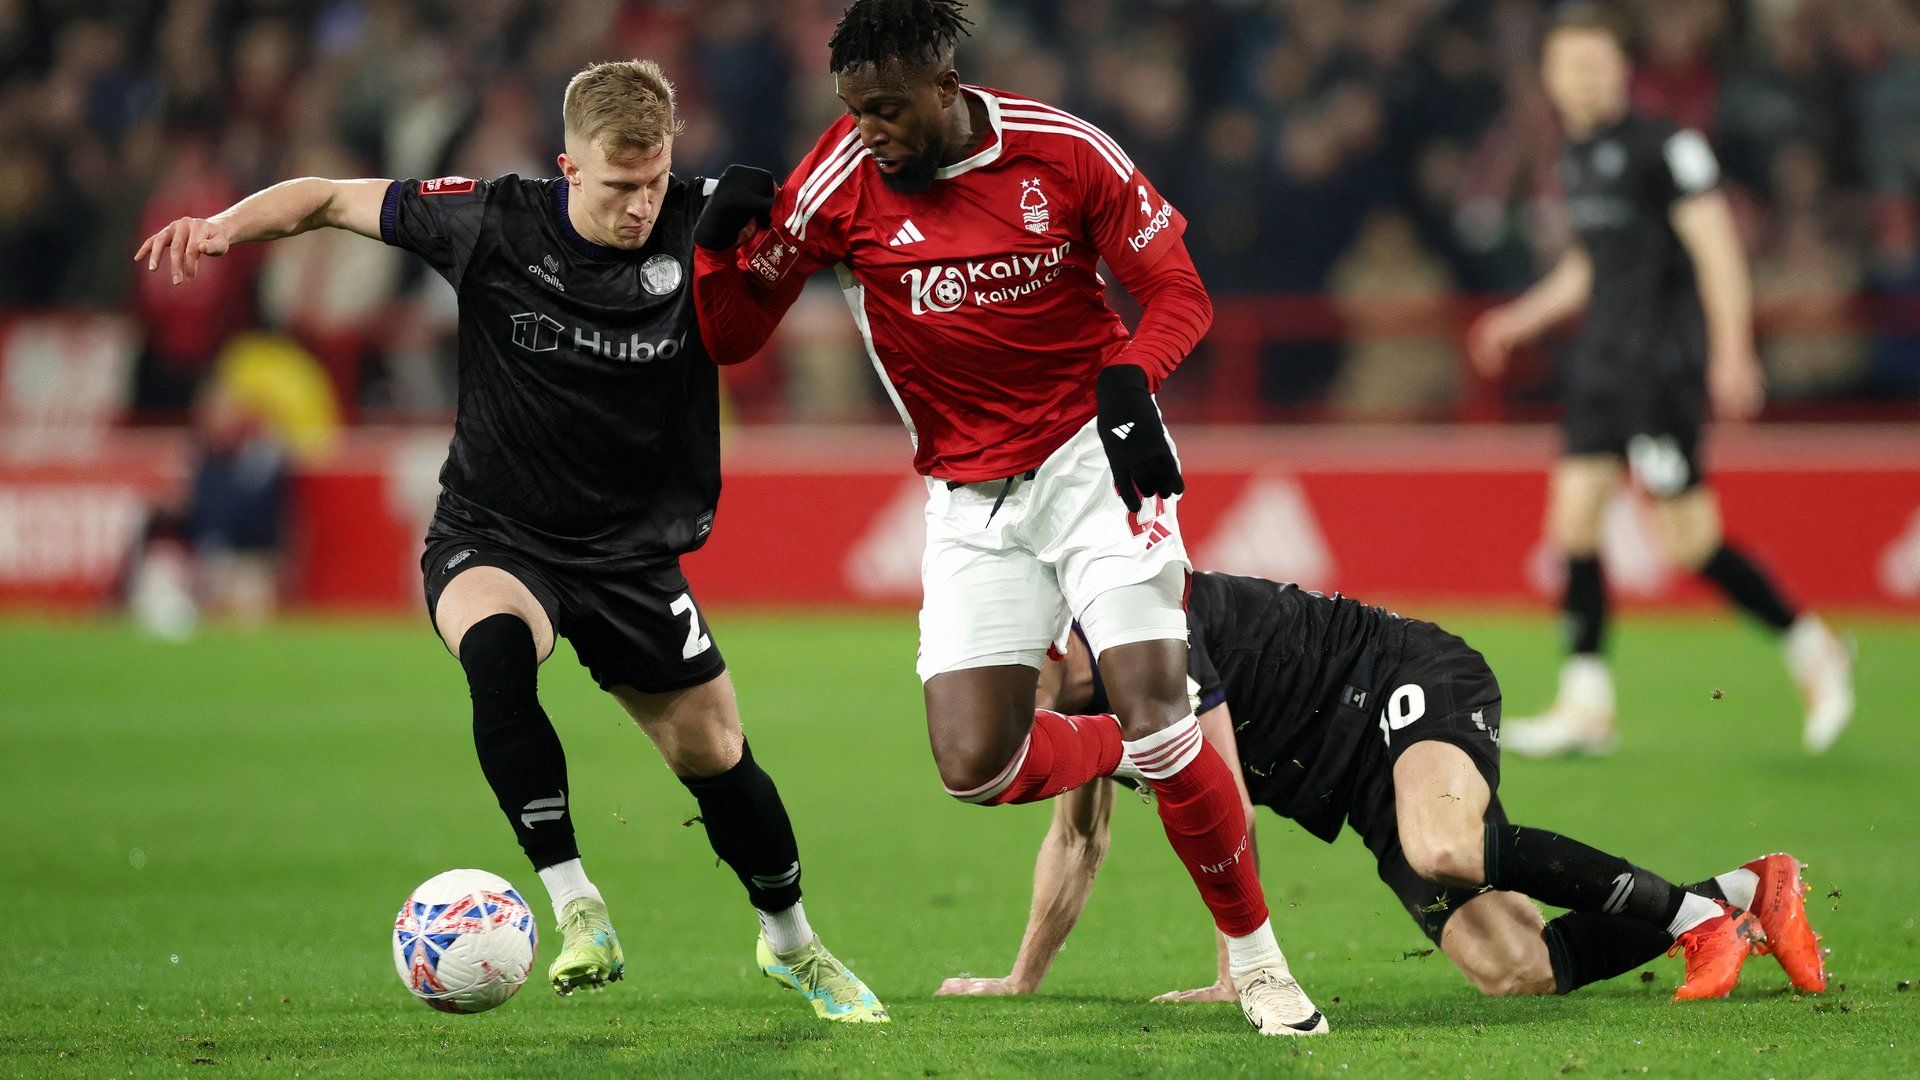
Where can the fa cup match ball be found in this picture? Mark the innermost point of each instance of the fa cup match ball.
(464, 941)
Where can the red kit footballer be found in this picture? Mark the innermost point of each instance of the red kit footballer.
(965, 225)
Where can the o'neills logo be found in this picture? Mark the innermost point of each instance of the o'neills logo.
(940, 289)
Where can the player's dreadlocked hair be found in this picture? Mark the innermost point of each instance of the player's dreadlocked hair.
(878, 32)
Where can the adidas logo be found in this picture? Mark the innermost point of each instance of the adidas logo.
(908, 234)
(1123, 430)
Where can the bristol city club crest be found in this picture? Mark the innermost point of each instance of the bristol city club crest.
(661, 274)
(1033, 206)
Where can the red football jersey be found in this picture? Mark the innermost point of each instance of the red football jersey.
(978, 298)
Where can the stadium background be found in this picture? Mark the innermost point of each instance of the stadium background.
(1361, 179)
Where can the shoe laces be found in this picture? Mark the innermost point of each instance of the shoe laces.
(1280, 991)
(819, 970)
(578, 918)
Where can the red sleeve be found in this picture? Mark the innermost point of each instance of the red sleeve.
(736, 315)
(1131, 225)
(1175, 311)
(740, 296)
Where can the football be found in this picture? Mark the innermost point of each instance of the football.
(464, 941)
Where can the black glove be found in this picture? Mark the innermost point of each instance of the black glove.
(742, 194)
(1135, 439)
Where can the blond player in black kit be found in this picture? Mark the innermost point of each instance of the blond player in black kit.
(584, 463)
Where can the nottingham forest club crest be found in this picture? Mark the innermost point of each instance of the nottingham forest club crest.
(1033, 206)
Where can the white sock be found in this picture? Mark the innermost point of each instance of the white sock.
(1694, 910)
(786, 930)
(1739, 885)
(567, 882)
(1586, 682)
(1251, 952)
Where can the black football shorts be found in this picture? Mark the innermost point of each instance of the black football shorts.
(1443, 690)
(1652, 424)
(632, 627)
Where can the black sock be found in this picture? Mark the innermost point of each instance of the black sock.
(1567, 873)
(1585, 605)
(1748, 587)
(1709, 888)
(519, 750)
(1587, 948)
(748, 828)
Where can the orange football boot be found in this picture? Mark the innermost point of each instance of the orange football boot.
(1779, 902)
(1715, 950)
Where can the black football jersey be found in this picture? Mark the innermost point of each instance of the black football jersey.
(588, 423)
(1644, 317)
(1303, 672)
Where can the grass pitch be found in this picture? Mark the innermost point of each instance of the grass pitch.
(204, 846)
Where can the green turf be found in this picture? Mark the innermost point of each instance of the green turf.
(203, 847)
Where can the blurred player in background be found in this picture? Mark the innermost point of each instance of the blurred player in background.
(966, 224)
(1332, 711)
(1659, 269)
(584, 463)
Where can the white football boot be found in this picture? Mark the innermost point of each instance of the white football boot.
(1580, 721)
(1822, 666)
(1274, 1003)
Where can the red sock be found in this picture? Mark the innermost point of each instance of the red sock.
(1060, 754)
(1200, 808)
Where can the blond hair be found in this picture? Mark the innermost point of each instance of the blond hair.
(624, 105)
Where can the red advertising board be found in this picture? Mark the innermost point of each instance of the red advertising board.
(833, 517)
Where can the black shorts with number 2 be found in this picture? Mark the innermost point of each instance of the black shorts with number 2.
(635, 627)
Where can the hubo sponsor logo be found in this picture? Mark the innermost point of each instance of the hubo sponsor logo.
(540, 333)
(546, 271)
(940, 289)
(1155, 224)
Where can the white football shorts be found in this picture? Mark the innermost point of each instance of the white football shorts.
(999, 584)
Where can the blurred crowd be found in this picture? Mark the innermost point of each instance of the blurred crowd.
(1392, 156)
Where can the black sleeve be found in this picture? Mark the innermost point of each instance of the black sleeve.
(1683, 165)
(439, 220)
(1203, 682)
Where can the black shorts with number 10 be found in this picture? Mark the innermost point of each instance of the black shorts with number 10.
(1445, 692)
(636, 627)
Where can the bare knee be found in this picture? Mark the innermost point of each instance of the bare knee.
(696, 730)
(1577, 503)
(1455, 860)
(977, 722)
(969, 761)
(1147, 683)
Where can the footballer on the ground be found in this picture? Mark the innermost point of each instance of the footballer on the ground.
(1335, 712)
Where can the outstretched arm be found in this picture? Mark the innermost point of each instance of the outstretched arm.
(285, 209)
(1071, 855)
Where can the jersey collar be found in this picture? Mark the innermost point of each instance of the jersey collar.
(987, 154)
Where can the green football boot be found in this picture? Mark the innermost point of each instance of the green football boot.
(590, 953)
(836, 993)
